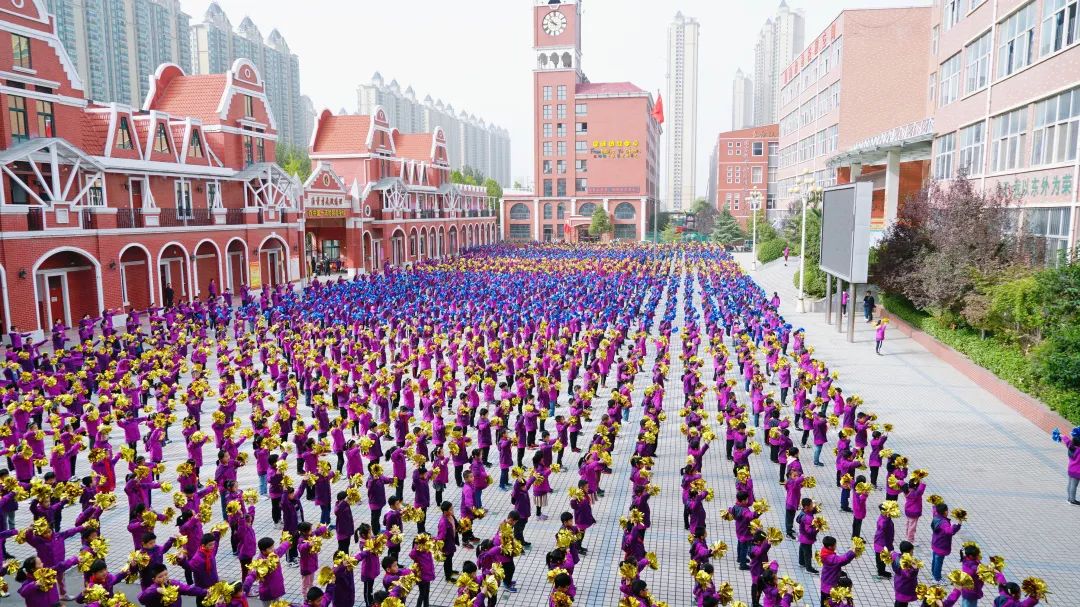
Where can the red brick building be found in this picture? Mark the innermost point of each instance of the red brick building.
(746, 161)
(103, 206)
(595, 144)
(378, 196)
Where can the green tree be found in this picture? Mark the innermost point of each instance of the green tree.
(462, 178)
(494, 192)
(705, 216)
(670, 233)
(1058, 358)
(293, 160)
(601, 223)
(727, 229)
(765, 230)
(815, 278)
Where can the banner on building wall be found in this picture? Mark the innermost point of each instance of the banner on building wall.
(255, 275)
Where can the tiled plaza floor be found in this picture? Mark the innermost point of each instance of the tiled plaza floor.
(981, 455)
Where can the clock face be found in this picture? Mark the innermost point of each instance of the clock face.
(554, 23)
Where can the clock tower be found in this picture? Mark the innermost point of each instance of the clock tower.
(556, 74)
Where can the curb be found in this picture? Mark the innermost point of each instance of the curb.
(1029, 407)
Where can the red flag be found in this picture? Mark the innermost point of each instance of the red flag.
(658, 109)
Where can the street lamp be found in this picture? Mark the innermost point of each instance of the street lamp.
(804, 187)
(755, 204)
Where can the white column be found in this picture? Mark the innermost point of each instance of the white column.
(536, 219)
(892, 186)
(643, 217)
(856, 171)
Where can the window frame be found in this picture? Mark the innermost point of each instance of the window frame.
(970, 149)
(21, 55)
(945, 156)
(18, 117)
(1008, 142)
(1006, 48)
(46, 118)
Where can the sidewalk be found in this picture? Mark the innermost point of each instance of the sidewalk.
(982, 455)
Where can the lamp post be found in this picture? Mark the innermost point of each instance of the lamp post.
(805, 187)
(755, 203)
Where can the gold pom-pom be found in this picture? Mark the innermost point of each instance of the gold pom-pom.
(932, 595)
(840, 594)
(959, 514)
(718, 550)
(820, 524)
(774, 536)
(890, 509)
(1035, 588)
(961, 579)
(760, 505)
(858, 545)
(809, 482)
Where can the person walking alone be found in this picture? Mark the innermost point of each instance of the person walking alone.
(879, 335)
(868, 304)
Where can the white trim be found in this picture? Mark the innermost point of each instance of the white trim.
(232, 130)
(25, 76)
(4, 297)
(49, 38)
(164, 169)
(149, 267)
(217, 254)
(32, 94)
(148, 230)
(50, 253)
(186, 259)
(43, 13)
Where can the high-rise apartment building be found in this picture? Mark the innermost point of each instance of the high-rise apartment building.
(117, 44)
(681, 112)
(742, 101)
(470, 141)
(215, 45)
(779, 40)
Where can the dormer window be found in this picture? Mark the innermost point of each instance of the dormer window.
(195, 150)
(249, 106)
(20, 50)
(161, 139)
(123, 135)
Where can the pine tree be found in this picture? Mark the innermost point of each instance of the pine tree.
(601, 223)
(727, 229)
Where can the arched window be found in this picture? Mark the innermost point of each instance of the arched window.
(561, 211)
(587, 209)
(519, 211)
(625, 210)
(547, 210)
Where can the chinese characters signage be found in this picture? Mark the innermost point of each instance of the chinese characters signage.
(615, 190)
(615, 148)
(812, 50)
(1057, 185)
(323, 213)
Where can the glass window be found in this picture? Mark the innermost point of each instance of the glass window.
(547, 112)
(561, 113)
(560, 211)
(249, 106)
(978, 63)
(625, 210)
(581, 146)
(520, 231)
(821, 142)
(547, 187)
(123, 135)
(738, 174)
(972, 144)
(20, 128)
(562, 91)
(562, 148)
(561, 166)
(212, 195)
(547, 129)
(581, 184)
(933, 87)
(1057, 119)
(581, 109)
(560, 187)
(950, 13)
(45, 119)
(1016, 41)
(20, 49)
(195, 150)
(560, 129)
(519, 211)
(624, 231)
(260, 147)
(1059, 26)
(547, 167)
(757, 174)
(547, 148)
(183, 199)
(547, 210)
(547, 93)
(950, 80)
(161, 139)
(943, 156)
(833, 135)
(586, 210)
(975, 4)
(1007, 145)
(727, 201)
(1052, 226)
(582, 127)
(249, 151)
(581, 166)
(758, 148)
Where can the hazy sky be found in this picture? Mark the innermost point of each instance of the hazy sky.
(478, 55)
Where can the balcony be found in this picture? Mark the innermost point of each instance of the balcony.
(183, 218)
(127, 219)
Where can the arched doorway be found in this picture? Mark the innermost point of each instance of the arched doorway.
(67, 286)
(207, 268)
(453, 250)
(273, 257)
(440, 249)
(397, 247)
(136, 282)
(174, 273)
(236, 267)
(423, 244)
(368, 253)
(412, 245)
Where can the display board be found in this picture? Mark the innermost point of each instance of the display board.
(845, 231)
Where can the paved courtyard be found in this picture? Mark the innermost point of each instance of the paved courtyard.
(982, 456)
